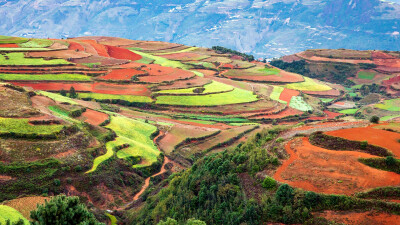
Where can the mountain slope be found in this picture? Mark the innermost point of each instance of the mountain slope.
(264, 28)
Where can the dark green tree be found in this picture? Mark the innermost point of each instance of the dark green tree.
(374, 119)
(284, 195)
(72, 93)
(63, 210)
(63, 92)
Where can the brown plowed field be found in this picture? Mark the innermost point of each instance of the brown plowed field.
(332, 172)
(194, 82)
(286, 112)
(94, 117)
(122, 53)
(121, 74)
(323, 59)
(362, 218)
(75, 46)
(386, 139)
(100, 49)
(26, 204)
(332, 92)
(287, 95)
(9, 46)
(63, 54)
(98, 87)
(184, 56)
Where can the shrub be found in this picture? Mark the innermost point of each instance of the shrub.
(268, 183)
(284, 195)
(374, 119)
(390, 161)
(364, 145)
(57, 182)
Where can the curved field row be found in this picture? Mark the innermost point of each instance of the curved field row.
(213, 87)
(284, 113)
(233, 97)
(121, 74)
(9, 46)
(22, 126)
(18, 58)
(307, 56)
(176, 74)
(97, 87)
(137, 135)
(63, 54)
(332, 172)
(128, 98)
(44, 77)
(187, 49)
(385, 60)
(25, 205)
(36, 43)
(100, 49)
(8, 213)
(282, 77)
(99, 60)
(185, 56)
(12, 40)
(75, 46)
(382, 138)
(308, 85)
(333, 93)
(122, 53)
(179, 84)
(390, 105)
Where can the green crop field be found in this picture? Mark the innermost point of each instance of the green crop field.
(269, 71)
(276, 92)
(180, 51)
(37, 43)
(48, 77)
(18, 58)
(212, 87)
(12, 40)
(233, 97)
(137, 135)
(297, 102)
(57, 97)
(128, 98)
(21, 126)
(366, 75)
(308, 85)
(390, 105)
(326, 100)
(23, 49)
(91, 65)
(349, 111)
(9, 213)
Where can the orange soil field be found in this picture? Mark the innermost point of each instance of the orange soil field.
(26, 204)
(100, 49)
(332, 172)
(386, 139)
(286, 112)
(323, 59)
(193, 82)
(154, 45)
(76, 46)
(104, 61)
(94, 117)
(157, 74)
(385, 60)
(329, 115)
(122, 53)
(121, 74)
(287, 95)
(9, 46)
(332, 92)
(364, 218)
(207, 72)
(97, 87)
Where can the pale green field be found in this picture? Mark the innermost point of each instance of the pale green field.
(276, 92)
(21, 126)
(180, 51)
(233, 97)
(390, 105)
(57, 97)
(212, 87)
(128, 98)
(308, 85)
(297, 102)
(60, 77)
(37, 43)
(18, 58)
(9, 213)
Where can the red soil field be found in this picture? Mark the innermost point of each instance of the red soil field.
(364, 218)
(227, 65)
(332, 92)
(100, 49)
(287, 95)
(194, 82)
(207, 73)
(385, 139)
(385, 60)
(121, 74)
(332, 172)
(9, 46)
(98, 87)
(159, 73)
(104, 61)
(329, 115)
(286, 112)
(76, 46)
(94, 117)
(323, 59)
(122, 53)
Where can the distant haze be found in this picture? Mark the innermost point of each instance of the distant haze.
(268, 28)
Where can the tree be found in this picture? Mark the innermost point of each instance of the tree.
(268, 183)
(63, 210)
(284, 195)
(374, 119)
(195, 222)
(72, 93)
(63, 92)
(390, 161)
(169, 221)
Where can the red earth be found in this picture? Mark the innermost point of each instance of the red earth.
(364, 218)
(287, 95)
(286, 112)
(9, 46)
(183, 56)
(121, 74)
(97, 87)
(332, 92)
(385, 139)
(76, 46)
(122, 53)
(100, 49)
(332, 172)
(94, 117)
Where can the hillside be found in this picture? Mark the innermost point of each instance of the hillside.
(143, 131)
(263, 28)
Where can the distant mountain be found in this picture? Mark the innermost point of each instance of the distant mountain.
(266, 28)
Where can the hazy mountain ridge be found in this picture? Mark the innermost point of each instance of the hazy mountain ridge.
(264, 28)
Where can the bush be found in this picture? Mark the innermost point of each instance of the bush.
(57, 182)
(374, 119)
(284, 195)
(390, 161)
(268, 183)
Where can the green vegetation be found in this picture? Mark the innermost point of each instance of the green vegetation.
(297, 102)
(37, 43)
(326, 100)
(57, 97)
(388, 164)
(63, 210)
(8, 213)
(12, 40)
(233, 97)
(366, 75)
(11, 126)
(269, 183)
(170, 221)
(136, 138)
(270, 71)
(128, 98)
(91, 65)
(213, 87)
(299, 67)
(374, 119)
(308, 85)
(23, 49)
(47, 77)
(390, 105)
(227, 50)
(276, 93)
(348, 111)
(180, 51)
(18, 58)
(112, 218)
